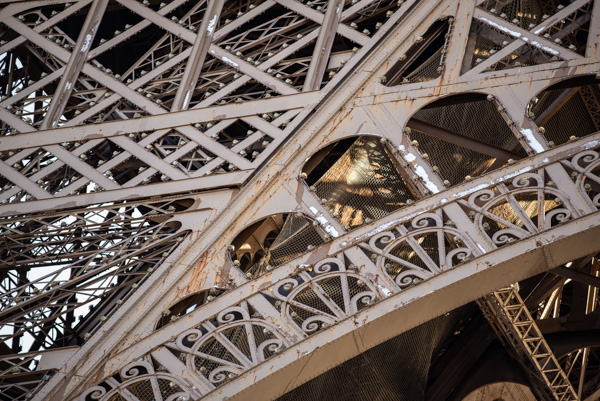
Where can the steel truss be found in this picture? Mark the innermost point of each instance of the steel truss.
(507, 312)
(134, 149)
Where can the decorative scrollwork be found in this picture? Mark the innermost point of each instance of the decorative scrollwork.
(135, 382)
(96, 393)
(322, 295)
(587, 169)
(417, 250)
(409, 277)
(136, 368)
(518, 208)
(230, 343)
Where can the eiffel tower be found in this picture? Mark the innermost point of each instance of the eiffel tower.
(300, 200)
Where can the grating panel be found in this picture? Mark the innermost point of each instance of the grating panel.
(478, 120)
(362, 184)
(395, 370)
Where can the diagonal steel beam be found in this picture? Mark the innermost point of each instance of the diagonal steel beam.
(196, 60)
(511, 47)
(556, 105)
(99, 76)
(50, 22)
(510, 318)
(22, 181)
(215, 50)
(359, 5)
(460, 140)
(317, 17)
(151, 123)
(248, 69)
(525, 35)
(82, 167)
(281, 55)
(75, 64)
(137, 28)
(322, 50)
(577, 276)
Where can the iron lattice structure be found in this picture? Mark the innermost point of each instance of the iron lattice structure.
(242, 198)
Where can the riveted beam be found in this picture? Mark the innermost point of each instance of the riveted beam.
(76, 61)
(195, 62)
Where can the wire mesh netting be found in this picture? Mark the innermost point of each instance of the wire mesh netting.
(396, 370)
(117, 397)
(296, 235)
(487, 41)
(568, 112)
(424, 60)
(520, 12)
(429, 70)
(478, 120)
(363, 183)
(525, 56)
(275, 241)
(187, 305)
(142, 390)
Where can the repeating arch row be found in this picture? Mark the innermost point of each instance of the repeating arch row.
(313, 296)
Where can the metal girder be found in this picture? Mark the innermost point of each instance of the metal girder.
(254, 57)
(161, 121)
(457, 139)
(320, 56)
(356, 238)
(507, 312)
(75, 64)
(391, 316)
(578, 276)
(199, 51)
(523, 36)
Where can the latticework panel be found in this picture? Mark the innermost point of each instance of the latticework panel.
(197, 197)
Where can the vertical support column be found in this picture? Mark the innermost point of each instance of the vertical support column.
(320, 56)
(196, 60)
(75, 64)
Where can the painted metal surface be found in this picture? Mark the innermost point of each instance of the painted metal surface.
(237, 181)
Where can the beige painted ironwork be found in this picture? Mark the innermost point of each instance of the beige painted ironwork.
(124, 186)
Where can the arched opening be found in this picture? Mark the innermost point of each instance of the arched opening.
(358, 180)
(501, 391)
(187, 305)
(274, 240)
(568, 108)
(464, 136)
